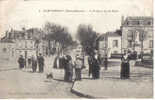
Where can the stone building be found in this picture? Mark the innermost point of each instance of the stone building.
(26, 42)
(137, 34)
(7, 50)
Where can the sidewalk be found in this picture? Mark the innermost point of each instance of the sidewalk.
(140, 85)
(8, 65)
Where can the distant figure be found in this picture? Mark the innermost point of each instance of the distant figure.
(78, 67)
(61, 62)
(90, 62)
(56, 60)
(64, 62)
(29, 62)
(106, 63)
(125, 67)
(21, 62)
(96, 67)
(41, 63)
(34, 64)
(69, 69)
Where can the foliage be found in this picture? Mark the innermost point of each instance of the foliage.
(58, 33)
(87, 38)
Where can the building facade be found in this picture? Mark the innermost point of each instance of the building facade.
(26, 42)
(137, 34)
(109, 44)
(7, 50)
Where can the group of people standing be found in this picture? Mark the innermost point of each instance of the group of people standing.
(32, 62)
(69, 65)
(94, 66)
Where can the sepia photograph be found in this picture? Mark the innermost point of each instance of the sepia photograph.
(90, 49)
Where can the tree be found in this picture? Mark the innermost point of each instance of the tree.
(59, 34)
(87, 38)
(37, 35)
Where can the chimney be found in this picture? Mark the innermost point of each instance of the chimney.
(122, 20)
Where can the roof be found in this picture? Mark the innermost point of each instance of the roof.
(6, 41)
(138, 21)
(139, 18)
(113, 34)
(101, 37)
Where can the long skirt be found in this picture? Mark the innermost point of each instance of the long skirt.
(78, 73)
(34, 68)
(41, 68)
(68, 76)
(96, 74)
(21, 65)
(125, 71)
(65, 75)
(90, 69)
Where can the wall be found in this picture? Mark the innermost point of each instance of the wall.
(111, 49)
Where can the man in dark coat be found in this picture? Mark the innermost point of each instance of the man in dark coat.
(21, 62)
(41, 63)
(95, 68)
(106, 63)
(29, 62)
(68, 69)
(34, 64)
(64, 62)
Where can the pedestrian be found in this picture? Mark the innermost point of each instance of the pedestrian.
(64, 62)
(106, 63)
(69, 69)
(96, 67)
(125, 67)
(90, 61)
(41, 63)
(61, 62)
(29, 62)
(56, 60)
(34, 64)
(21, 62)
(78, 67)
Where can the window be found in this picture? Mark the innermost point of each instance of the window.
(115, 52)
(129, 44)
(135, 22)
(115, 43)
(148, 23)
(130, 35)
(151, 44)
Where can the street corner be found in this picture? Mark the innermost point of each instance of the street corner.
(106, 88)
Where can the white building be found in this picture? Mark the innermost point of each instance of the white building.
(109, 44)
(114, 43)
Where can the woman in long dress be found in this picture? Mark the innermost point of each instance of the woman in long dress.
(125, 67)
(95, 68)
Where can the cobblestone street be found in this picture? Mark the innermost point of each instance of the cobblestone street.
(17, 83)
(24, 84)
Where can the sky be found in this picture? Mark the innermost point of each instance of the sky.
(33, 13)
